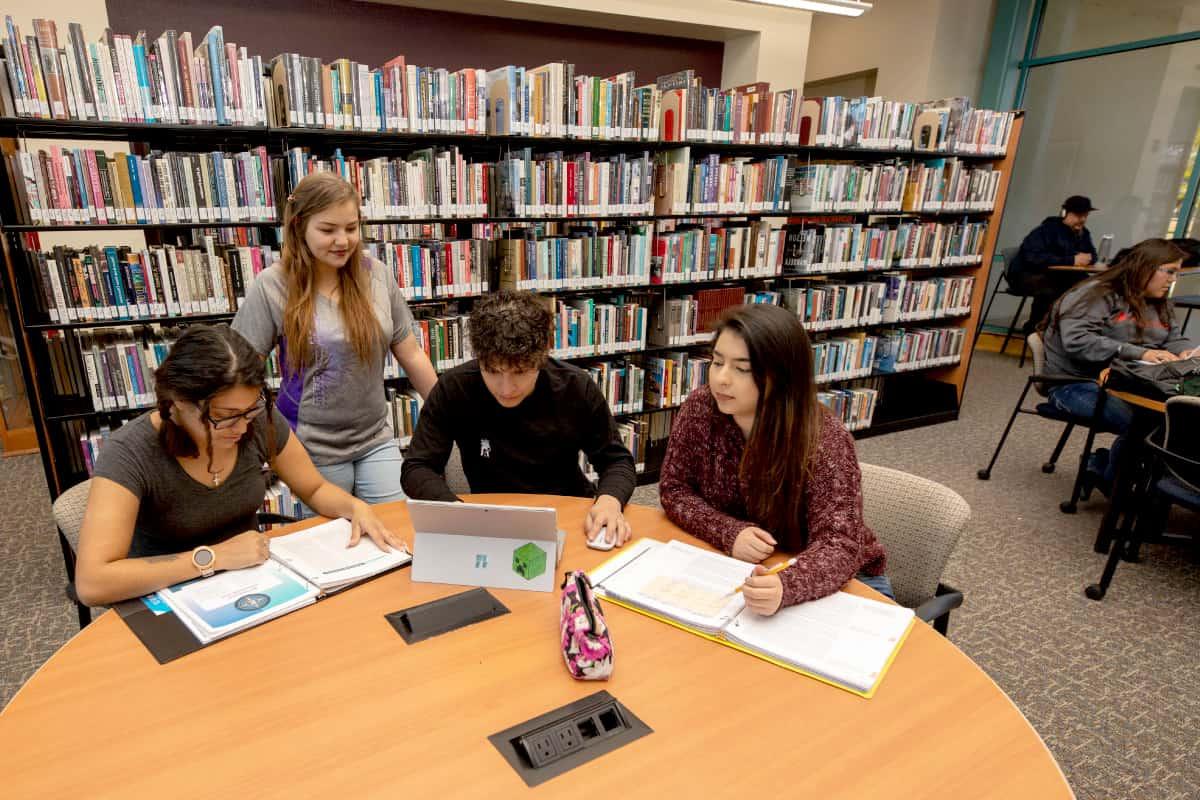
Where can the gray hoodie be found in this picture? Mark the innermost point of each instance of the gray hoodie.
(1090, 328)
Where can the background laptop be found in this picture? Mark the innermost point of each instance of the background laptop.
(505, 547)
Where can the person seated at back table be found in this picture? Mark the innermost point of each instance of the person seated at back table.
(175, 491)
(520, 419)
(755, 464)
(1059, 241)
(1122, 313)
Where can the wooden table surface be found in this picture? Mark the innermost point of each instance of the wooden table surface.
(330, 701)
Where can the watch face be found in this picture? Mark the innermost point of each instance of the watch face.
(203, 557)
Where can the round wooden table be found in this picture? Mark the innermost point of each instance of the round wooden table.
(330, 701)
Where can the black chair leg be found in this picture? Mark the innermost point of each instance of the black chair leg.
(986, 311)
(1048, 467)
(986, 473)
(1024, 352)
(1012, 326)
(1070, 506)
(83, 612)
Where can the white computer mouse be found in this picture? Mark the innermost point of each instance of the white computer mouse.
(599, 542)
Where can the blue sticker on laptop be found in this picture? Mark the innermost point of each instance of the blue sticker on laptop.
(156, 604)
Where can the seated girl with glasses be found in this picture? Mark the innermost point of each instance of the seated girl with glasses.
(175, 491)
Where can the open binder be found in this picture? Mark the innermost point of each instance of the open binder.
(844, 640)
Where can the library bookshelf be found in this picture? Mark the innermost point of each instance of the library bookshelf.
(922, 395)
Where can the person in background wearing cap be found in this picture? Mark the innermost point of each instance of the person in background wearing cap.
(1059, 241)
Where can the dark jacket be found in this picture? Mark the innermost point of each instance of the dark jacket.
(533, 448)
(1050, 244)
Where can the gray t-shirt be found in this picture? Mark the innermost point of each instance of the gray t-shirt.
(336, 404)
(177, 513)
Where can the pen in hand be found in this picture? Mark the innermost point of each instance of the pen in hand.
(772, 571)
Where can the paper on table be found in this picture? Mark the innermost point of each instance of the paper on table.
(843, 637)
(320, 554)
(703, 572)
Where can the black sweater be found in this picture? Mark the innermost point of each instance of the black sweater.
(1051, 244)
(533, 448)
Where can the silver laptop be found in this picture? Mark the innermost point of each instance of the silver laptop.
(505, 547)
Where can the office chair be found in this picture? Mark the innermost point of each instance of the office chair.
(1172, 478)
(1043, 383)
(68, 512)
(918, 522)
(1007, 255)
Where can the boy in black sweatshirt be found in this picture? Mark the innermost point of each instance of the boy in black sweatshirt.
(520, 420)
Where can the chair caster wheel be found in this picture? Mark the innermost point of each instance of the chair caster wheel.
(1094, 592)
(1066, 507)
(1047, 467)
(983, 474)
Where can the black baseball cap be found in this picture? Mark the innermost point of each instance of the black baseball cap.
(1078, 204)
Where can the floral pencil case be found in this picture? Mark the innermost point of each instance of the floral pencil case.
(586, 644)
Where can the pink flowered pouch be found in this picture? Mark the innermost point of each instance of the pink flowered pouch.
(587, 647)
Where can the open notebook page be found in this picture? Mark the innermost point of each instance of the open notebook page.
(320, 554)
(844, 638)
(676, 580)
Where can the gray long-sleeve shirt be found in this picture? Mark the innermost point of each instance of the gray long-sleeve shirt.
(1094, 326)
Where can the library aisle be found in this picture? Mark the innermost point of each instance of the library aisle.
(1063, 659)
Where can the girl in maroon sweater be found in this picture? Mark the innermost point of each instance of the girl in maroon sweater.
(756, 464)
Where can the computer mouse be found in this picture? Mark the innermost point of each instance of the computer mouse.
(599, 542)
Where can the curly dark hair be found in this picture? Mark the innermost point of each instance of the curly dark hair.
(510, 329)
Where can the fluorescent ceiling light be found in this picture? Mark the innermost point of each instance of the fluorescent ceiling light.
(847, 8)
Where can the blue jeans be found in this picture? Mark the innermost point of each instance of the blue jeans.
(1080, 399)
(879, 583)
(374, 477)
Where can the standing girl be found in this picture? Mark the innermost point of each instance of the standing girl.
(334, 313)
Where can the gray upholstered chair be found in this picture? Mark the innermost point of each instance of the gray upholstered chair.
(68, 516)
(918, 522)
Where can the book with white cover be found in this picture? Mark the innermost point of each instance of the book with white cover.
(845, 640)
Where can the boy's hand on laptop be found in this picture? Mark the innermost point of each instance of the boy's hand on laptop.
(606, 513)
(365, 521)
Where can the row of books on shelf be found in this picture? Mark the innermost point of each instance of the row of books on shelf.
(939, 185)
(123, 78)
(861, 355)
(119, 283)
(584, 327)
(853, 247)
(86, 186)
(716, 184)
(404, 410)
(855, 406)
(431, 269)
(171, 79)
(895, 298)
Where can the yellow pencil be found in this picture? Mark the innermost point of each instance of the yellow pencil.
(772, 571)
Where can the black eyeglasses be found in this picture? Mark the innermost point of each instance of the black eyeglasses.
(249, 415)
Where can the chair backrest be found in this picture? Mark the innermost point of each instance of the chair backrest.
(68, 511)
(918, 522)
(1181, 439)
(1037, 349)
(1008, 255)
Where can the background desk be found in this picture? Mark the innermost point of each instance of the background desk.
(330, 701)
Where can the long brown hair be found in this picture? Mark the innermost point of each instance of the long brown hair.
(777, 462)
(206, 360)
(1128, 278)
(312, 195)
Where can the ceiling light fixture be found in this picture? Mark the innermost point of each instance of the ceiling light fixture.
(846, 8)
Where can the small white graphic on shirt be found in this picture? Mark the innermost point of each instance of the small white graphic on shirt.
(485, 448)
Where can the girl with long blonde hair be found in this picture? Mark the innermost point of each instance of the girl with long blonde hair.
(334, 314)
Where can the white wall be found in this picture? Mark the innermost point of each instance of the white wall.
(922, 49)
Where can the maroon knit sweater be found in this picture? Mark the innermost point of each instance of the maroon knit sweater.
(702, 494)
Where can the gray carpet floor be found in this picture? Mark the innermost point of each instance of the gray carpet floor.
(1113, 687)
